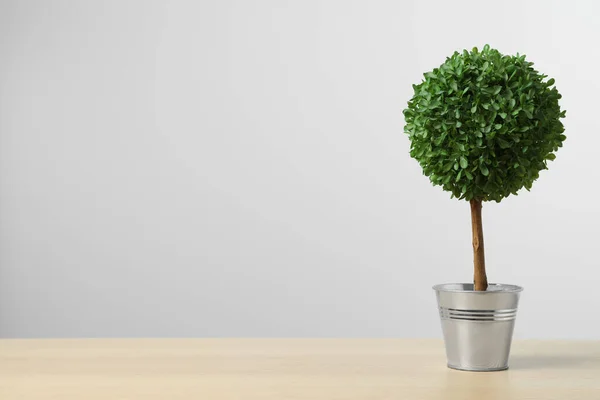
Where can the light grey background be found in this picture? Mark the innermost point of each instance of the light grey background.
(238, 168)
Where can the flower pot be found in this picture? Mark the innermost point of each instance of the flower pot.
(477, 326)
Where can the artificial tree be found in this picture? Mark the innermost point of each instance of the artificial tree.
(482, 126)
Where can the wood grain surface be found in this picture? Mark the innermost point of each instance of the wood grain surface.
(280, 369)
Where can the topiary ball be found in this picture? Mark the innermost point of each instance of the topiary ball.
(483, 125)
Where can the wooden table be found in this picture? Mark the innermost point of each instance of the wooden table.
(281, 369)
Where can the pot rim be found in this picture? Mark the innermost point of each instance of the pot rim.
(460, 288)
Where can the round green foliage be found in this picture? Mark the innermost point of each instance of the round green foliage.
(483, 125)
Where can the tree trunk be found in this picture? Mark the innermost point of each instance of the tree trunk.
(479, 278)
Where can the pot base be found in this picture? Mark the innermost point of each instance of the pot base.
(477, 370)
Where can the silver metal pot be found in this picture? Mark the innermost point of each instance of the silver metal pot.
(478, 326)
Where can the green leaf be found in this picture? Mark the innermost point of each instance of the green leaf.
(498, 126)
(484, 170)
(503, 143)
(473, 109)
(502, 115)
(550, 157)
(453, 86)
(463, 163)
